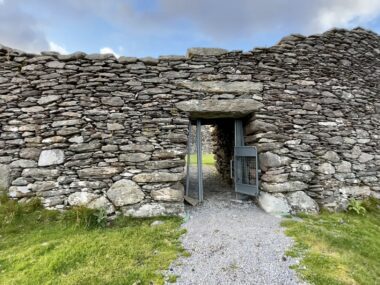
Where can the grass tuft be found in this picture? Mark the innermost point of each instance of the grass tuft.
(39, 246)
(338, 248)
(207, 158)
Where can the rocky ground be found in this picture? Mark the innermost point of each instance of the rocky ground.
(232, 242)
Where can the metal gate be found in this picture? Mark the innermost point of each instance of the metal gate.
(245, 166)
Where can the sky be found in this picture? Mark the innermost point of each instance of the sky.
(168, 27)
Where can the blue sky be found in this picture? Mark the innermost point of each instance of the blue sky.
(162, 27)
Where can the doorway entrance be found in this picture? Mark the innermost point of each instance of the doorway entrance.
(235, 162)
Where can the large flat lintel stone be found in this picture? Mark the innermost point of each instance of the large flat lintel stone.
(235, 87)
(214, 109)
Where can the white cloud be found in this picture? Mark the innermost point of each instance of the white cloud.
(56, 47)
(105, 50)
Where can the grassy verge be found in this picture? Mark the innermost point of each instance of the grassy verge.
(39, 246)
(339, 248)
(207, 158)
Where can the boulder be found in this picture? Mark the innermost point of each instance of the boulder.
(102, 203)
(300, 202)
(125, 192)
(81, 198)
(19, 192)
(273, 203)
(51, 157)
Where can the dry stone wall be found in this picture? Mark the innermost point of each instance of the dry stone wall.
(111, 133)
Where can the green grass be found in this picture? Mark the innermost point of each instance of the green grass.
(39, 246)
(338, 248)
(207, 158)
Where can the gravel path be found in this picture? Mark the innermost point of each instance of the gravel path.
(231, 242)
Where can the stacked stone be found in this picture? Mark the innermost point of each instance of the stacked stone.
(98, 131)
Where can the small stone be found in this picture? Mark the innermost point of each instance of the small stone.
(35, 109)
(326, 168)
(102, 203)
(43, 186)
(113, 101)
(168, 194)
(157, 223)
(19, 192)
(365, 157)
(40, 173)
(356, 191)
(157, 177)
(48, 99)
(23, 163)
(98, 172)
(344, 167)
(134, 157)
(114, 126)
(30, 153)
(125, 192)
(331, 156)
(51, 157)
(55, 64)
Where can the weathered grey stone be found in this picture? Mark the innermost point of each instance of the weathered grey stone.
(30, 153)
(169, 194)
(260, 126)
(40, 173)
(125, 192)
(43, 186)
(51, 157)
(191, 52)
(300, 202)
(137, 147)
(289, 186)
(5, 178)
(134, 157)
(157, 177)
(269, 159)
(234, 87)
(48, 99)
(162, 164)
(102, 203)
(214, 109)
(81, 198)
(356, 191)
(344, 167)
(23, 163)
(83, 147)
(365, 157)
(273, 203)
(326, 168)
(55, 64)
(66, 123)
(331, 156)
(19, 192)
(114, 126)
(98, 172)
(113, 101)
(34, 109)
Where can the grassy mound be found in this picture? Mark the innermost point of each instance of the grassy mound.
(39, 246)
(338, 248)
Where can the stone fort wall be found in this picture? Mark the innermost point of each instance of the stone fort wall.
(94, 130)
